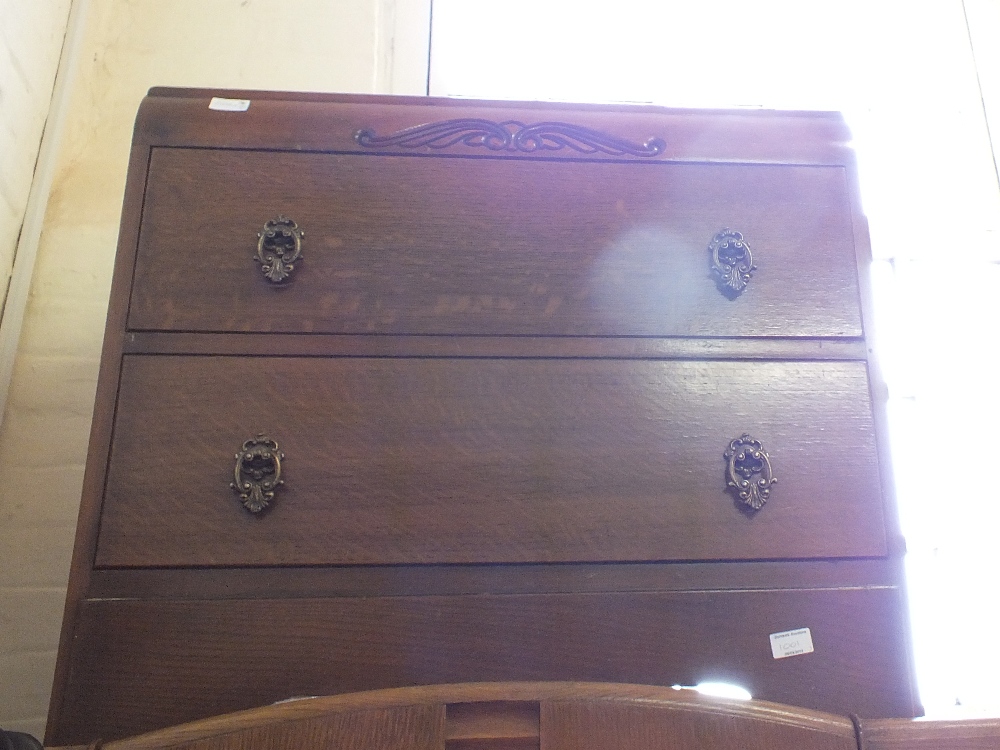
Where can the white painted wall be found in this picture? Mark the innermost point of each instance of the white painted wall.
(31, 40)
(117, 50)
(31, 36)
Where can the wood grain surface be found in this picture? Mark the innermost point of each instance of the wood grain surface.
(957, 734)
(488, 578)
(503, 382)
(593, 725)
(488, 460)
(508, 715)
(411, 245)
(170, 662)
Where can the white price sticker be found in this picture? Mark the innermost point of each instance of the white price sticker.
(791, 643)
(229, 105)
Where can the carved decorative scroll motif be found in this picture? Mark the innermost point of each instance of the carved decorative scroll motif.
(509, 136)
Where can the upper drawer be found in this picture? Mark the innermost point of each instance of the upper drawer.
(447, 245)
(487, 460)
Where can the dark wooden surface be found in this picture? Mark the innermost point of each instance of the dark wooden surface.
(243, 653)
(450, 579)
(488, 460)
(304, 122)
(414, 245)
(589, 347)
(501, 380)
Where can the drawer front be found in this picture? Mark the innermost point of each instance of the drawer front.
(422, 460)
(411, 245)
(174, 661)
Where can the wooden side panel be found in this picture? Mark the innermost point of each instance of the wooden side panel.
(607, 725)
(139, 665)
(396, 728)
(492, 246)
(898, 734)
(488, 460)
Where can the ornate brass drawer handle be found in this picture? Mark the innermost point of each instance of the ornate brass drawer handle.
(748, 472)
(279, 246)
(732, 262)
(258, 472)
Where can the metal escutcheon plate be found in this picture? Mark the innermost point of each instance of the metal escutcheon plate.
(257, 473)
(279, 246)
(748, 471)
(732, 262)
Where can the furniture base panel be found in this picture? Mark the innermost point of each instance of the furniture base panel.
(140, 665)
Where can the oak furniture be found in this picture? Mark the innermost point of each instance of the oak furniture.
(576, 716)
(955, 734)
(402, 391)
(510, 716)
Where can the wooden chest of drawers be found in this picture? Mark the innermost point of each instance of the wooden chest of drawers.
(405, 391)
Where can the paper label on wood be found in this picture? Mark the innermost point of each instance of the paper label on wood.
(229, 105)
(791, 643)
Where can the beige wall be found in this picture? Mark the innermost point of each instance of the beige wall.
(31, 38)
(120, 48)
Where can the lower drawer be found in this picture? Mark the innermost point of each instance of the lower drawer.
(469, 460)
(139, 665)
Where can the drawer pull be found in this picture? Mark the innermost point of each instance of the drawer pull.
(732, 262)
(279, 246)
(258, 472)
(748, 472)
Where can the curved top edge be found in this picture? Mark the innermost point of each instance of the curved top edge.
(671, 699)
(317, 96)
(430, 126)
